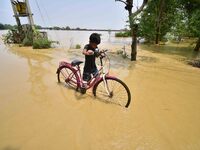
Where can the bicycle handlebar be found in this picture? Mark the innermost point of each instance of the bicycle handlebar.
(102, 53)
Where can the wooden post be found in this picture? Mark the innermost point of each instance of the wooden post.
(30, 15)
(16, 15)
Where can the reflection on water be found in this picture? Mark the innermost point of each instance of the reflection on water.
(185, 50)
(37, 113)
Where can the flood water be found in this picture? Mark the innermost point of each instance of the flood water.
(36, 113)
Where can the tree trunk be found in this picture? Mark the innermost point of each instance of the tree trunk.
(134, 44)
(134, 38)
(129, 6)
(158, 21)
(197, 47)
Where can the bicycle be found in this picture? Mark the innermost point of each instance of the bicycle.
(105, 87)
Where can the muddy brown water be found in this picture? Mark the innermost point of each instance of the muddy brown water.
(37, 113)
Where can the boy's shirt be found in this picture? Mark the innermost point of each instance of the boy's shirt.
(90, 64)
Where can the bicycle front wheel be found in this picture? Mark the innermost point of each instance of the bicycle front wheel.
(67, 76)
(112, 90)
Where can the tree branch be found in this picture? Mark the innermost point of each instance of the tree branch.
(121, 1)
(140, 9)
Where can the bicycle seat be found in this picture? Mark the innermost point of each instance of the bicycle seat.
(76, 62)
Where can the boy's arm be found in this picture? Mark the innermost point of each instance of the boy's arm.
(87, 52)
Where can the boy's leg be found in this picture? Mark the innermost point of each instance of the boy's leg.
(95, 72)
(86, 76)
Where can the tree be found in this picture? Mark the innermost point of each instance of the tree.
(38, 27)
(67, 28)
(180, 26)
(195, 27)
(132, 24)
(160, 12)
(193, 11)
(1, 26)
(157, 19)
(188, 20)
(56, 28)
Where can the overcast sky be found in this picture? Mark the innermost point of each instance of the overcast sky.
(102, 14)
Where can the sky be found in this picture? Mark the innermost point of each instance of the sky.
(93, 14)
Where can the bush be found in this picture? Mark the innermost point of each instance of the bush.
(27, 42)
(123, 34)
(78, 46)
(41, 43)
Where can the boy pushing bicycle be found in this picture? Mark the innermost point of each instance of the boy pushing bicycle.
(90, 51)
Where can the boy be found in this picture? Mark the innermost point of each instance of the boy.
(90, 53)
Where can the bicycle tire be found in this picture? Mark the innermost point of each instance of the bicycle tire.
(65, 72)
(101, 93)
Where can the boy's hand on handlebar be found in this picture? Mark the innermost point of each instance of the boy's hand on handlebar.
(90, 52)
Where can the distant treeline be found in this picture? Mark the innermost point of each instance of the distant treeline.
(68, 28)
(8, 26)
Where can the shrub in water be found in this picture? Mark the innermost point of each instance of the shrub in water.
(78, 46)
(27, 41)
(123, 34)
(41, 43)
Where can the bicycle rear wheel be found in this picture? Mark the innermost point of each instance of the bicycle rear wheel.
(116, 92)
(67, 76)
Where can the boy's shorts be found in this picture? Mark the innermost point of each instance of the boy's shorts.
(87, 75)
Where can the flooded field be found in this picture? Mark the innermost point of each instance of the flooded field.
(36, 113)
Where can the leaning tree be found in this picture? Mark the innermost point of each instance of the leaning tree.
(132, 24)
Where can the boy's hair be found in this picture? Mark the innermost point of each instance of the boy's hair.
(95, 38)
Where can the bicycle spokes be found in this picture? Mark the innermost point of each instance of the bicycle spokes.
(66, 76)
(112, 91)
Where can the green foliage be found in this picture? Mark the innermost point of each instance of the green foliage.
(178, 19)
(1, 26)
(187, 19)
(56, 28)
(123, 34)
(6, 26)
(41, 43)
(190, 21)
(180, 27)
(27, 42)
(155, 15)
(78, 46)
(38, 27)
(194, 23)
(26, 39)
(67, 28)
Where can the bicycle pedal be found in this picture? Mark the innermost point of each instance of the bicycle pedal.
(83, 90)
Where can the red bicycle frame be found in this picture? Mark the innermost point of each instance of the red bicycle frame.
(76, 72)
